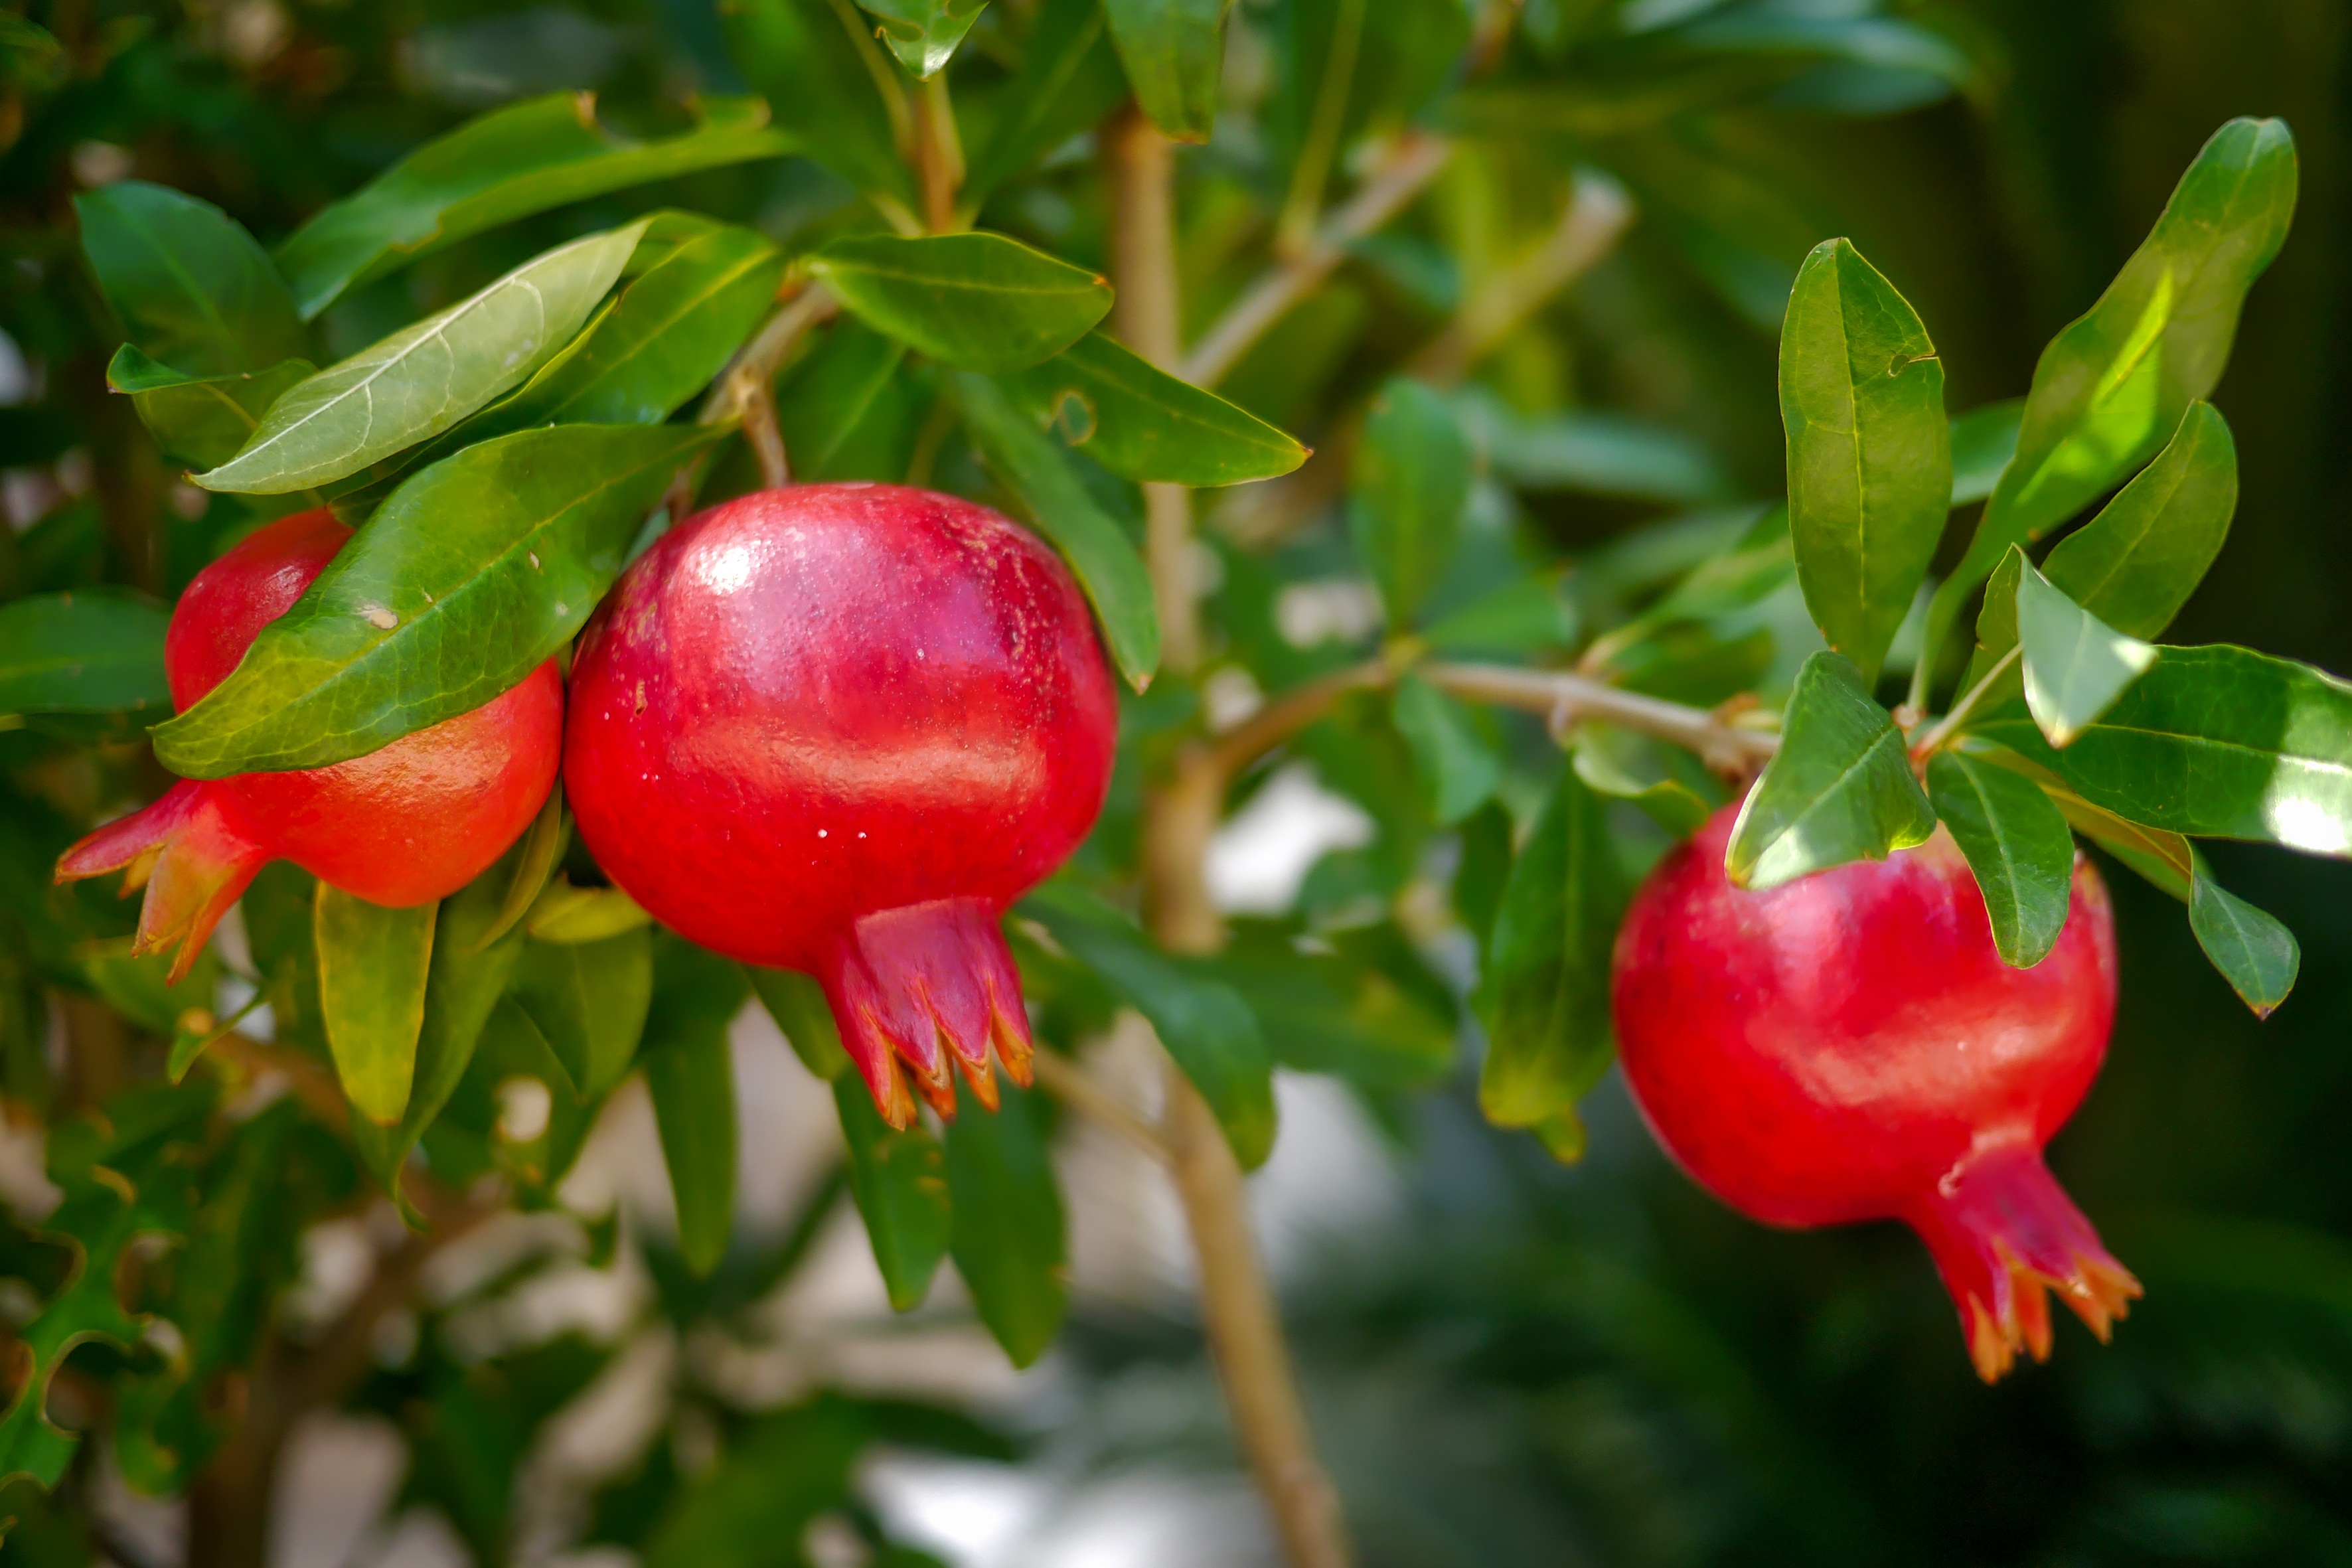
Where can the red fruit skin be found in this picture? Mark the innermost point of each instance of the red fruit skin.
(838, 729)
(1850, 1045)
(404, 825)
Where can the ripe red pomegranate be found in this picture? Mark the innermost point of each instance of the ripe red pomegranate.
(404, 825)
(1849, 1046)
(839, 728)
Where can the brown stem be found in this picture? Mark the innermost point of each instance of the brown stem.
(1595, 218)
(1279, 719)
(1564, 697)
(1076, 1088)
(938, 155)
(745, 389)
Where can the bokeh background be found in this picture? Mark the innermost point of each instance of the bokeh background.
(1509, 1361)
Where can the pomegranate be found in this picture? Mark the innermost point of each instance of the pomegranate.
(839, 728)
(1850, 1047)
(404, 825)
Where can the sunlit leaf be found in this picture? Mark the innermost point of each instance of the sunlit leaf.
(200, 420)
(975, 301)
(1137, 420)
(1175, 51)
(2075, 665)
(372, 965)
(1839, 789)
(589, 1001)
(923, 34)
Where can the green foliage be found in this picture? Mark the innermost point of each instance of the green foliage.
(1839, 789)
(2018, 844)
(975, 301)
(2075, 665)
(1007, 1228)
(92, 652)
(1143, 423)
(901, 1186)
(201, 420)
(691, 1074)
(1406, 494)
(2253, 951)
(372, 965)
(190, 286)
(1175, 51)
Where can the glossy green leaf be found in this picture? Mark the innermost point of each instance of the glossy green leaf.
(1204, 1024)
(1544, 991)
(900, 1182)
(189, 285)
(2113, 386)
(1057, 502)
(1458, 770)
(2136, 564)
(510, 163)
(2214, 742)
(475, 572)
(797, 1003)
(1137, 420)
(1983, 441)
(2017, 843)
(1839, 789)
(846, 403)
(562, 912)
(535, 860)
(1069, 78)
(1175, 51)
(1671, 803)
(975, 301)
(2074, 664)
(1408, 488)
(588, 1000)
(924, 34)
(691, 1072)
(1006, 1230)
(424, 378)
(96, 651)
(816, 63)
(2256, 954)
(373, 966)
(200, 420)
(1870, 451)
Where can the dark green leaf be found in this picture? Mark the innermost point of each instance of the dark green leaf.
(924, 34)
(1671, 803)
(1140, 421)
(186, 280)
(96, 651)
(589, 1000)
(779, 1475)
(975, 301)
(900, 1182)
(691, 1073)
(30, 55)
(200, 420)
(2075, 665)
(1870, 451)
(1983, 441)
(1069, 78)
(1457, 769)
(846, 405)
(797, 1003)
(1839, 789)
(1005, 1230)
(2136, 564)
(1204, 1024)
(535, 863)
(1175, 51)
(1407, 490)
(424, 378)
(1029, 464)
(2018, 845)
(510, 163)
(373, 966)
(830, 87)
(2257, 955)
(473, 574)
(1545, 986)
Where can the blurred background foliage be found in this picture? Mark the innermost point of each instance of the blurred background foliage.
(1538, 1365)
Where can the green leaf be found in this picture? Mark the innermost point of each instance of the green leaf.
(474, 574)
(1839, 789)
(845, 403)
(797, 1003)
(1408, 488)
(1204, 1024)
(1983, 441)
(2256, 954)
(2215, 742)
(2136, 564)
(2074, 664)
(1870, 451)
(2018, 845)
(1069, 78)
(1029, 464)
(1175, 51)
(2111, 386)
(815, 62)
(95, 652)
(589, 1002)
(689, 1070)
(535, 863)
(900, 1182)
(373, 967)
(1594, 454)
(200, 420)
(526, 158)
(1458, 770)
(975, 301)
(1137, 420)
(185, 280)
(1670, 803)
(1005, 1229)
(424, 378)
(1545, 987)
(562, 912)
(924, 34)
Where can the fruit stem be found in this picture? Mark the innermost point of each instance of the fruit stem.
(1925, 747)
(747, 388)
(1562, 695)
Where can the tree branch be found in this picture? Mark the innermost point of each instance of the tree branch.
(1596, 218)
(1562, 697)
(745, 389)
(1076, 1088)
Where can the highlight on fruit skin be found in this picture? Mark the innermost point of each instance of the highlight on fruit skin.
(1849, 1045)
(405, 825)
(839, 727)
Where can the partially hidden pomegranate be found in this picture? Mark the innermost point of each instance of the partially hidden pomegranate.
(839, 728)
(404, 825)
(1849, 1045)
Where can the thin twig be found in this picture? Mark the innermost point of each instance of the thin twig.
(746, 390)
(1926, 746)
(1561, 695)
(1597, 215)
(1076, 1088)
(1233, 751)
(1410, 165)
(938, 155)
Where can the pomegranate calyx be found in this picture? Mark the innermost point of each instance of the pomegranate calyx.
(2002, 1233)
(187, 850)
(932, 987)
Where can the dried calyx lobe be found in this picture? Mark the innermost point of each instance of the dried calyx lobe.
(1849, 1045)
(839, 729)
(407, 824)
